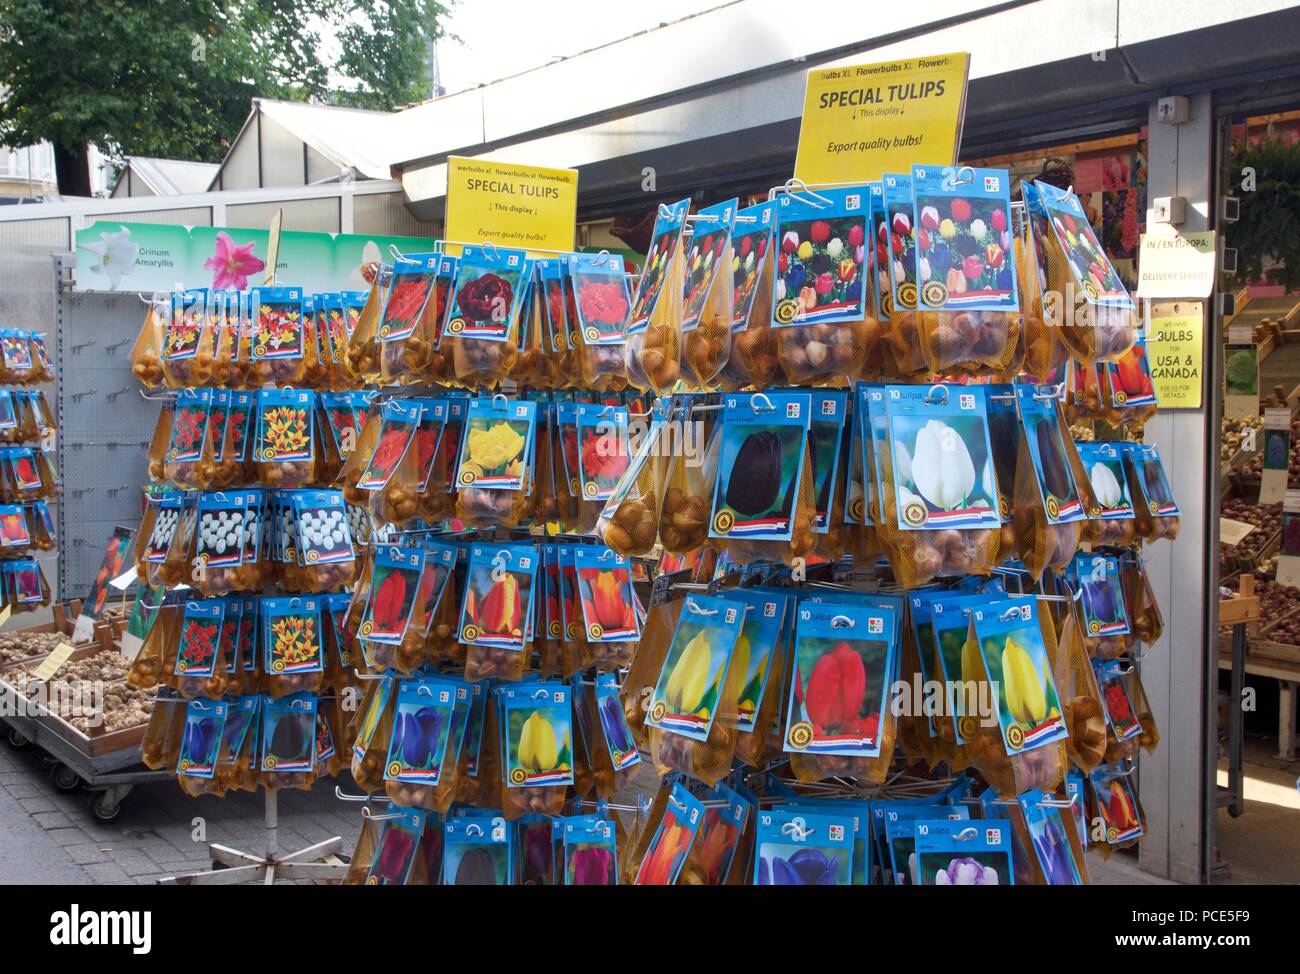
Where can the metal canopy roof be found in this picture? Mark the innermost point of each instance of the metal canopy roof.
(723, 91)
(169, 177)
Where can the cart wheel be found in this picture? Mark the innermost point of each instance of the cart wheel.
(15, 738)
(64, 779)
(103, 809)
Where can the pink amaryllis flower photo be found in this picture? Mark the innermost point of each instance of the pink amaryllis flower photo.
(231, 265)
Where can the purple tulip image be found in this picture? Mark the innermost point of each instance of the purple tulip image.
(615, 726)
(807, 867)
(593, 866)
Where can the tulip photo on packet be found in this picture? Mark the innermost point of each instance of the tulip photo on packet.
(968, 852)
(1015, 661)
(802, 849)
(671, 844)
(538, 729)
(685, 698)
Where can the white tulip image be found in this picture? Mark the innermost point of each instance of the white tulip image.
(1104, 485)
(941, 466)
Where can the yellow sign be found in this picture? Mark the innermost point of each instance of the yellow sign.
(1175, 344)
(1176, 265)
(54, 662)
(863, 120)
(528, 207)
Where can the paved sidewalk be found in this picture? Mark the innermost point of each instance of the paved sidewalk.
(50, 838)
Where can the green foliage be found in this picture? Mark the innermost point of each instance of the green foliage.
(175, 80)
(1268, 232)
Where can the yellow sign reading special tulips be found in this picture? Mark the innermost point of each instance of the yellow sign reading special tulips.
(861, 121)
(528, 207)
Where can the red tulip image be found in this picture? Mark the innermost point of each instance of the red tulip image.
(602, 302)
(899, 245)
(819, 232)
(718, 839)
(13, 527)
(746, 244)
(389, 450)
(998, 219)
(603, 457)
(855, 235)
(500, 611)
(922, 239)
(1123, 815)
(782, 262)
(407, 298)
(761, 249)
(972, 268)
(902, 224)
(960, 210)
(836, 688)
(1117, 704)
(823, 284)
(388, 602)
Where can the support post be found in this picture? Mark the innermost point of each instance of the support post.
(1180, 672)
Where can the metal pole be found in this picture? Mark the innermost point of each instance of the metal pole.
(272, 806)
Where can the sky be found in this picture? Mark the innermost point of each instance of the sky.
(503, 37)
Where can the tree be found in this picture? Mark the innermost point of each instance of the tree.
(135, 77)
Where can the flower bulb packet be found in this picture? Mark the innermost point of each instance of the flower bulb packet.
(421, 730)
(709, 235)
(478, 851)
(398, 846)
(498, 599)
(14, 532)
(614, 731)
(1093, 273)
(201, 738)
(398, 422)
(498, 442)
(590, 851)
(221, 532)
(1104, 462)
(408, 294)
(857, 487)
(944, 474)
(1121, 715)
(973, 852)
(686, 696)
(1116, 804)
(344, 414)
(537, 737)
(189, 425)
(1154, 481)
(1129, 378)
(901, 836)
(291, 635)
(284, 425)
(232, 615)
(601, 287)
(797, 848)
(605, 591)
(602, 449)
(289, 734)
(1049, 830)
(240, 722)
(1015, 659)
(964, 259)
(1075, 792)
(1037, 407)
(277, 325)
(760, 465)
(489, 291)
(843, 657)
(829, 418)
(394, 583)
(1097, 577)
(197, 651)
(324, 537)
(819, 273)
(751, 236)
(900, 244)
(16, 353)
(666, 242)
(767, 622)
(859, 814)
(667, 850)
(184, 327)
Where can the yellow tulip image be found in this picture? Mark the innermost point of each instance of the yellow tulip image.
(1023, 685)
(740, 667)
(494, 447)
(972, 664)
(689, 678)
(537, 750)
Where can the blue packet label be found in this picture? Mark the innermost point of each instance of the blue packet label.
(760, 465)
(820, 274)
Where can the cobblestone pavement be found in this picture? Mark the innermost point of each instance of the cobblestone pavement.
(50, 838)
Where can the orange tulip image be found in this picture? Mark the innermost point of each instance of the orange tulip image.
(666, 855)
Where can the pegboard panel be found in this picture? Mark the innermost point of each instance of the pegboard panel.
(104, 427)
